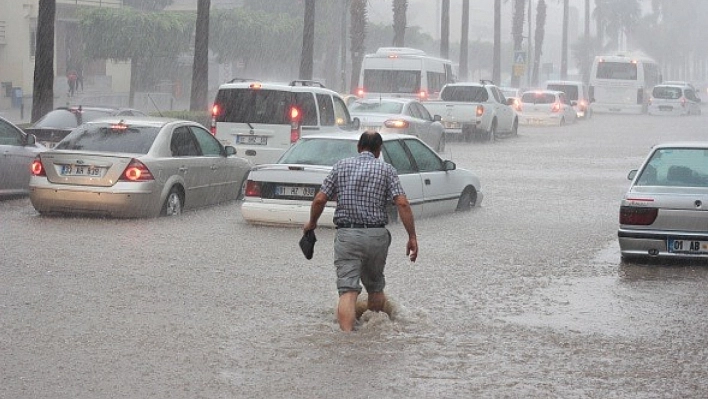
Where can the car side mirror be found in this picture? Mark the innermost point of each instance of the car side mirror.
(355, 124)
(510, 101)
(437, 118)
(449, 165)
(631, 174)
(230, 150)
(574, 103)
(30, 140)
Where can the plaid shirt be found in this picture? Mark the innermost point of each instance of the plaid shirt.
(363, 186)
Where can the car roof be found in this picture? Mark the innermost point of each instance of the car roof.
(355, 136)
(565, 82)
(682, 144)
(544, 91)
(388, 100)
(295, 85)
(153, 121)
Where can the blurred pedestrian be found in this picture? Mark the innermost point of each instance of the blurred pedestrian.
(71, 78)
(363, 187)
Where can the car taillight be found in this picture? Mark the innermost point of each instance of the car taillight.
(480, 110)
(37, 168)
(639, 216)
(136, 171)
(422, 95)
(396, 124)
(683, 101)
(215, 110)
(294, 124)
(360, 92)
(556, 107)
(253, 189)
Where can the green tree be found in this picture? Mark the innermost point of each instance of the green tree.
(308, 41)
(43, 86)
(538, 39)
(200, 66)
(358, 13)
(125, 34)
(148, 5)
(399, 22)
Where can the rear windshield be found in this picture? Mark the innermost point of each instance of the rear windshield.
(63, 118)
(684, 167)
(470, 94)
(319, 152)
(391, 81)
(571, 91)
(378, 107)
(107, 138)
(667, 93)
(272, 107)
(617, 70)
(538, 98)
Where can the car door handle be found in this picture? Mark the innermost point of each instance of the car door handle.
(183, 169)
(427, 182)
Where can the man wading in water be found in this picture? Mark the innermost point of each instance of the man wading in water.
(363, 187)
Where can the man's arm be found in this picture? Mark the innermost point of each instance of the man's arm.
(406, 215)
(316, 209)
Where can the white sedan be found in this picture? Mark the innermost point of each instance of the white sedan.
(282, 193)
(399, 115)
(546, 107)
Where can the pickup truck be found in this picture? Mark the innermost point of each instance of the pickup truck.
(474, 110)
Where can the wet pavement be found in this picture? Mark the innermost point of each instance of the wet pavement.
(523, 297)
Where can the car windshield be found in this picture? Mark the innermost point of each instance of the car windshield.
(473, 94)
(110, 138)
(666, 93)
(684, 167)
(538, 98)
(377, 107)
(391, 81)
(570, 90)
(317, 151)
(68, 119)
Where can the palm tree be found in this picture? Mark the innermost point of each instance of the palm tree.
(308, 41)
(496, 62)
(200, 66)
(538, 39)
(517, 33)
(445, 29)
(43, 87)
(399, 22)
(358, 36)
(464, 40)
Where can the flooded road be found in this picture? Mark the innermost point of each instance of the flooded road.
(524, 297)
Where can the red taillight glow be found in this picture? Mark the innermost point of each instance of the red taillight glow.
(480, 110)
(638, 216)
(253, 189)
(556, 107)
(396, 124)
(36, 168)
(255, 86)
(423, 95)
(294, 124)
(360, 92)
(215, 111)
(136, 171)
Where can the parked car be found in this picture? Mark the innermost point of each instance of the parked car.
(281, 193)
(577, 92)
(17, 150)
(546, 107)
(262, 119)
(136, 167)
(674, 99)
(664, 213)
(56, 124)
(400, 115)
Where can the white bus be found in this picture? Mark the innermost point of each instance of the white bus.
(622, 83)
(403, 72)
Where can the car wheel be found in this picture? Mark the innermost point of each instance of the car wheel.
(492, 133)
(173, 203)
(467, 200)
(561, 122)
(515, 128)
(467, 134)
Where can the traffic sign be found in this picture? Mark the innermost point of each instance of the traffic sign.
(520, 57)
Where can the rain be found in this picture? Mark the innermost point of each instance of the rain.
(524, 296)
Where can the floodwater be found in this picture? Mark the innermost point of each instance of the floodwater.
(525, 296)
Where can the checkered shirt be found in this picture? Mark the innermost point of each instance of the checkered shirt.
(363, 186)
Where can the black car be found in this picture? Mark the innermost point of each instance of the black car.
(57, 124)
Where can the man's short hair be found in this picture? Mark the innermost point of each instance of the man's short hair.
(371, 141)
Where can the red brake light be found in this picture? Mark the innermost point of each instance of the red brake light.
(294, 114)
(255, 86)
(423, 95)
(360, 92)
(480, 110)
(215, 111)
(294, 124)
(136, 171)
(556, 107)
(634, 215)
(253, 189)
(396, 124)
(37, 168)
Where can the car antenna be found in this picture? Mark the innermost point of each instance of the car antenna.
(155, 105)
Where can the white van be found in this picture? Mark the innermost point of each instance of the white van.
(577, 94)
(403, 72)
(262, 119)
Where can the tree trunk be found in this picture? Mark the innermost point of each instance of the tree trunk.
(200, 66)
(400, 7)
(43, 87)
(517, 33)
(358, 35)
(496, 67)
(464, 40)
(538, 39)
(133, 81)
(445, 30)
(564, 49)
(308, 41)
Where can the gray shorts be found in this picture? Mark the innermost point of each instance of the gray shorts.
(360, 258)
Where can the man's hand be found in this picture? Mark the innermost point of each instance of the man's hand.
(412, 249)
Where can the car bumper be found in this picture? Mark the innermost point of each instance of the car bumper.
(129, 200)
(617, 108)
(539, 119)
(667, 110)
(655, 244)
(274, 212)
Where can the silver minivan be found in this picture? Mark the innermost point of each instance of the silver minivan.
(577, 94)
(262, 120)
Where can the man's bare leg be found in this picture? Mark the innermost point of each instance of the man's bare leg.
(376, 302)
(346, 314)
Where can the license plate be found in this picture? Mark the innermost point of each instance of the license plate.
(80, 170)
(452, 125)
(251, 139)
(688, 246)
(48, 144)
(290, 191)
(665, 108)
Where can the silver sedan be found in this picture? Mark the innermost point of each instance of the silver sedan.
(138, 167)
(17, 150)
(402, 116)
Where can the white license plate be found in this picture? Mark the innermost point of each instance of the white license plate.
(290, 191)
(48, 144)
(80, 170)
(666, 108)
(688, 246)
(452, 125)
(250, 139)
